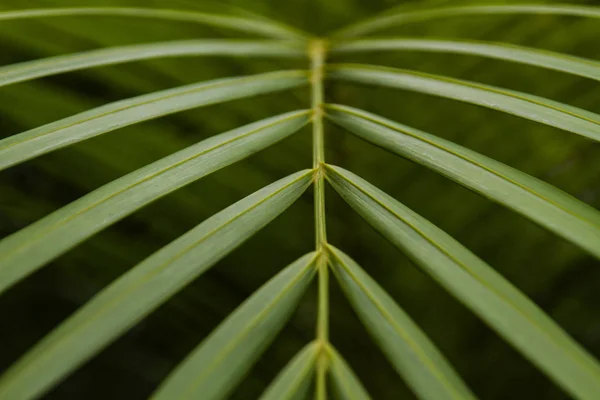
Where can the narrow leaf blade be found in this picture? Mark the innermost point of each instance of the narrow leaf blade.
(545, 111)
(221, 360)
(476, 285)
(345, 382)
(413, 355)
(24, 146)
(250, 25)
(117, 55)
(533, 198)
(501, 51)
(294, 381)
(32, 247)
(147, 285)
(393, 18)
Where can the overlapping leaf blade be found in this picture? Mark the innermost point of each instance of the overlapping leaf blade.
(341, 373)
(502, 51)
(293, 382)
(249, 25)
(150, 283)
(41, 140)
(476, 285)
(37, 244)
(393, 18)
(116, 55)
(344, 380)
(539, 109)
(537, 200)
(214, 368)
(413, 355)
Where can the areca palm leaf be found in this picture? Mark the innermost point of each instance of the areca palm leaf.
(537, 200)
(391, 18)
(115, 310)
(501, 51)
(18, 148)
(248, 25)
(26, 71)
(474, 283)
(32, 247)
(212, 370)
(423, 367)
(524, 105)
(153, 281)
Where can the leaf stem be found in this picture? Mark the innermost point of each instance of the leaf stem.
(317, 54)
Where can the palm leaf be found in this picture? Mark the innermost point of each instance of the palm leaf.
(32, 247)
(543, 203)
(214, 368)
(150, 283)
(413, 355)
(345, 381)
(392, 18)
(527, 106)
(18, 148)
(501, 51)
(120, 35)
(476, 285)
(293, 382)
(178, 48)
(254, 26)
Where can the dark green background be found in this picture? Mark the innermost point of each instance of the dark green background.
(559, 277)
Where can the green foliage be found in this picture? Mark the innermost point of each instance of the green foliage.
(294, 381)
(218, 364)
(470, 280)
(523, 105)
(49, 237)
(412, 354)
(344, 381)
(44, 139)
(542, 203)
(152, 282)
(158, 167)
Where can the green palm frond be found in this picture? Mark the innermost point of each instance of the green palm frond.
(129, 171)
(392, 17)
(500, 51)
(537, 109)
(149, 284)
(268, 28)
(38, 141)
(117, 55)
(473, 282)
(214, 368)
(412, 354)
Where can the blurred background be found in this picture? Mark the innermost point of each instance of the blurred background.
(558, 276)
